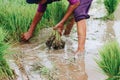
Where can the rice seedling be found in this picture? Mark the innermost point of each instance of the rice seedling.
(109, 60)
(110, 6)
(45, 72)
(55, 41)
(5, 71)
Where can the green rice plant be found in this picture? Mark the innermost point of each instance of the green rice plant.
(5, 71)
(44, 71)
(16, 16)
(109, 60)
(56, 11)
(110, 6)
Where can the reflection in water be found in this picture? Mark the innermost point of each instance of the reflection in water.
(117, 13)
(109, 34)
(117, 30)
(69, 69)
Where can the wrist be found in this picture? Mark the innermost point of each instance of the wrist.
(30, 31)
(62, 22)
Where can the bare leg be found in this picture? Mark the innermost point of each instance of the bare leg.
(69, 26)
(81, 31)
(26, 36)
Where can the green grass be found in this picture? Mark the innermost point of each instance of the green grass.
(5, 71)
(16, 16)
(109, 60)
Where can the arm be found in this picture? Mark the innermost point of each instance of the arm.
(38, 16)
(35, 21)
(70, 9)
(41, 9)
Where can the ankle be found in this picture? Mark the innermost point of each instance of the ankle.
(81, 49)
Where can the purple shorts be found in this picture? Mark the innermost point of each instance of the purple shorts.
(42, 7)
(81, 12)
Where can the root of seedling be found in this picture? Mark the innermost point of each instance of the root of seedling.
(55, 41)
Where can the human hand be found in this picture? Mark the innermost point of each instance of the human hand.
(26, 36)
(59, 27)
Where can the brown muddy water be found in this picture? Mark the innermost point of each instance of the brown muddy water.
(33, 61)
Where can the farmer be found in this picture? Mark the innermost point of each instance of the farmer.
(80, 10)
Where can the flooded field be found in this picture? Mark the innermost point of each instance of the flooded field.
(33, 61)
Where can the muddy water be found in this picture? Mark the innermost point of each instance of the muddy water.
(99, 32)
(31, 57)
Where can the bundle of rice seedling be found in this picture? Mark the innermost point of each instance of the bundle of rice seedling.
(110, 6)
(109, 60)
(55, 41)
